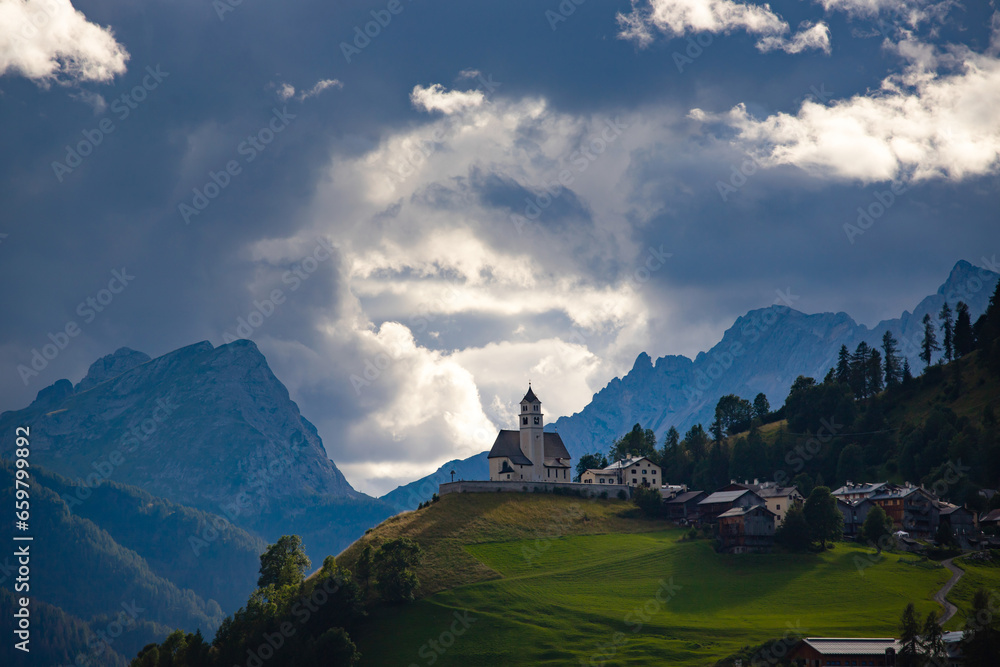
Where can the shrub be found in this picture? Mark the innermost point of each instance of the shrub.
(622, 495)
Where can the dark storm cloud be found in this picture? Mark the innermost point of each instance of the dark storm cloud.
(218, 82)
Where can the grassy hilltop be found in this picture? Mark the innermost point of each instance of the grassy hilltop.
(542, 579)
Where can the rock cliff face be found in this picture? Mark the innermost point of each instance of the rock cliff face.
(764, 351)
(205, 427)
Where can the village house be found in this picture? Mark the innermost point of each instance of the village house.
(777, 498)
(529, 454)
(747, 529)
(721, 501)
(990, 519)
(911, 508)
(822, 651)
(684, 506)
(961, 520)
(633, 471)
(852, 492)
(855, 514)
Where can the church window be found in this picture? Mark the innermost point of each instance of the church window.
(524, 420)
(536, 420)
(535, 407)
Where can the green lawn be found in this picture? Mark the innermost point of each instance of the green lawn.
(581, 597)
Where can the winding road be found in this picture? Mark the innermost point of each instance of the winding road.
(949, 608)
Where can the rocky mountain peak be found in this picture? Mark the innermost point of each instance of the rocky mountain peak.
(112, 365)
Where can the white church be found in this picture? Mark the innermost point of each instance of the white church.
(530, 454)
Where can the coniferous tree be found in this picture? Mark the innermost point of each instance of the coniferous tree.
(874, 372)
(909, 638)
(696, 442)
(843, 365)
(933, 639)
(893, 372)
(948, 329)
(930, 344)
(987, 327)
(965, 341)
(858, 376)
(907, 373)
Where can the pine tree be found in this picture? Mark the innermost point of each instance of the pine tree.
(909, 637)
(843, 365)
(948, 327)
(874, 373)
(907, 373)
(858, 375)
(930, 344)
(965, 341)
(933, 639)
(890, 360)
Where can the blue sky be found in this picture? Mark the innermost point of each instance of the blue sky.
(474, 194)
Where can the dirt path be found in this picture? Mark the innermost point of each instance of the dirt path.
(949, 608)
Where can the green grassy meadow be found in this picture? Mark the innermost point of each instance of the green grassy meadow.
(635, 598)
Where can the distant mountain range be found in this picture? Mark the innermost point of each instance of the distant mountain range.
(764, 351)
(206, 427)
(218, 463)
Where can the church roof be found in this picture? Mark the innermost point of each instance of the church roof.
(530, 396)
(508, 444)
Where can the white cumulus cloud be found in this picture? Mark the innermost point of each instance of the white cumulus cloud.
(46, 40)
(677, 18)
(436, 98)
(936, 120)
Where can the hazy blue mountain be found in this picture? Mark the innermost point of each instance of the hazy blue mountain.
(408, 496)
(209, 428)
(763, 351)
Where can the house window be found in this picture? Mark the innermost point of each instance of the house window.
(779, 507)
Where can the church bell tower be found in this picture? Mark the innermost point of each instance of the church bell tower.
(532, 437)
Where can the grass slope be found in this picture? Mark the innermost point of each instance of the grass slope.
(446, 527)
(561, 589)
